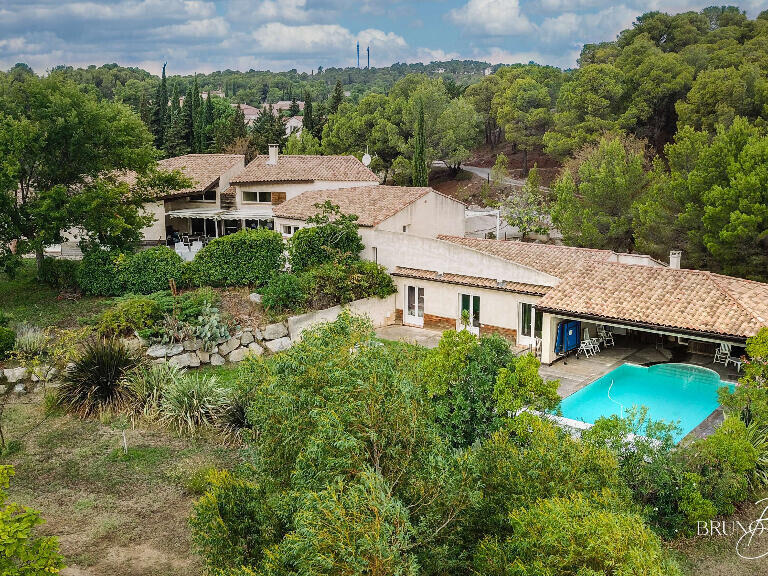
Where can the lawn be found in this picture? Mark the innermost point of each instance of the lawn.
(27, 300)
(114, 512)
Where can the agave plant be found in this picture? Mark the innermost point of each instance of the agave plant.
(193, 402)
(95, 382)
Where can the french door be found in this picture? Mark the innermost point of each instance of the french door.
(414, 306)
(530, 324)
(469, 314)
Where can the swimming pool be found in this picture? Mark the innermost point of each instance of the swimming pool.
(676, 393)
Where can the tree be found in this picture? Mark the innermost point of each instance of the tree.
(57, 170)
(597, 194)
(22, 553)
(336, 98)
(459, 131)
(420, 176)
(331, 237)
(159, 117)
(294, 108)
(481, 96)
(308, 119)
(303, 143)
(526, 209)
(524, 109)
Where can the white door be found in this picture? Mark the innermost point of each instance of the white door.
(469, 313)
(530, 325)
(414, 306)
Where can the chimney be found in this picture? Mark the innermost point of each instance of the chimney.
(272, 155)
(674, 259)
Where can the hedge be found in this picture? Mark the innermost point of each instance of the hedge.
(246, 258)
(150, 270)
(316, 245)
(7, 341)
(99, 273)
(284, 292)
(59, 274)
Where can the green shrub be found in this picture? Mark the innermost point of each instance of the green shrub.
(191, 304)
(210, 328)
(146, 385)
(192, 402)
(246, 258)
(4, 319)
(94, 384)
(99, 273)
(335, 283)
(284, 292)
(369, 279)
(198, 482)
(60, 274)
(131, 315)
(31, 342)
(7, 341)
(150, 270)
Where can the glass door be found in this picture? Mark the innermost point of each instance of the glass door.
(530, 324)
(469, 313)
(414, 306)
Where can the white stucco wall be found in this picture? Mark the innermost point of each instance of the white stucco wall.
(156, 230)
(429, 216)
(293, 189)
(380, 311)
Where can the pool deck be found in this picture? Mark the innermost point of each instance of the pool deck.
(576, 374)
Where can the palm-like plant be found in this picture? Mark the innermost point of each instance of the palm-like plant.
(95, 382)
(758, 437)
(192, 402)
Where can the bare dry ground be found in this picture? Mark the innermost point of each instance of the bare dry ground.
(114, 513)
(485, 157)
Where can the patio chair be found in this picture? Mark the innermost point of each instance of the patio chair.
(595, 341)
(722, 354)
(180, 248)
(197, 245)
(605, 336)
(587, 348)
(736, 361)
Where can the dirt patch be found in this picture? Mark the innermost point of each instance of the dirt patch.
(485, 157)
(465, 187)
(236, 304)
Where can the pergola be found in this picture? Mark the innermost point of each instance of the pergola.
(219, 214)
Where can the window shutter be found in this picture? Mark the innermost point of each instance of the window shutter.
(278, 198)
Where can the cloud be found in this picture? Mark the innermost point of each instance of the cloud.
(495, 17)
(592, 27)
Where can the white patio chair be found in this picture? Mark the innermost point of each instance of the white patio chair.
(197, 245)
(595, 341)
(587, 348)
(735, 361)
(722, 354)
(605, 336)
(180, 248)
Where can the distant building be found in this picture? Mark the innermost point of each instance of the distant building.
(218, 93)
(285, 105)
(251, 113)
(294, 124)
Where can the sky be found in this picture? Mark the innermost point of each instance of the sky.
(204, 36)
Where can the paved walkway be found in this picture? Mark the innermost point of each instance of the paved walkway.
(423, 336)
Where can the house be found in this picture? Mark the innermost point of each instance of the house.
(418, 212)
(251, 113)
(294, 124)
(284, 105)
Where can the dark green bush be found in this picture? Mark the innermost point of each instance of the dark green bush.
(332, 238)
(4, 318)
(191, 304)
(94, 383)
(59, 274)
(7, 341)
(369, 279)
(150, 270)
(99, 273)
(131, 315)
(247, 258)
(284, 292)
(335, 283)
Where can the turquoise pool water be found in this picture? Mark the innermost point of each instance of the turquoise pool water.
(676, 393)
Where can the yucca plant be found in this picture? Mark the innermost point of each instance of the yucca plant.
(758, 437)
(193, 402)
(232, 419)
(146, 384)
(95, 382)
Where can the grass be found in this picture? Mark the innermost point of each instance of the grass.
(114, 512)
(27, 300)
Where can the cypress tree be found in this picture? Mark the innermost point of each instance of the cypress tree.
(208, 124)
(337, 98)
(188, 118)
(419, 166)
(159, 118)
(309, 121)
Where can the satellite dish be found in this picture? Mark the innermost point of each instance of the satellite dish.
(366, 159)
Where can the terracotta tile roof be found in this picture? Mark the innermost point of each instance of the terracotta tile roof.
(305, 169)
(476, 281)
(548, 258)
(371, 204)
(203, 169)
(229, 194)
(689, 300)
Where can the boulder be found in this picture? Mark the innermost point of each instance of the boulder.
(20, 389)
(217, 360)
(257, 335)
(246, 338)
(205, 357)
(192, 345)
(228, 346)
(186, 360)
(255, 298)
(15, 374)
(238, 355)
(164, 350)
(43, 373)
(275, 331)
(278, 345)
(254, 348)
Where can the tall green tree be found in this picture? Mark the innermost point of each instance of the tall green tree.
(420, 175)
(336, 98)
(309, 118)
(159, 116)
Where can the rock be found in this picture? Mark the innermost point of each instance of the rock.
(255, 298)
(15, 374)
(192, 345)
(228, 346)
(275, 331)
(43, 373)
(164, 350)
(217, 360)
(205, 357)
(19, 389)
(133, 344)
(238, 355)
(246, 338)
(158, 361)
(186, 360)
(254, 348)
(278, 345)
(257, 335)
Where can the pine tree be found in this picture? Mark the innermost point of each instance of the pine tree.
(294, 109)
(198, 116)
(420, 171)
(309, 121)
(337, 98)
(175, 134)
(159, 117)
(144, 111)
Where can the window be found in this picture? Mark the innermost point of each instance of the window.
(526, 312)
(263, 197)
(260, 223)
(289, 230)
(375, 254)
(472, 305)
(207, 196)
(405, 228)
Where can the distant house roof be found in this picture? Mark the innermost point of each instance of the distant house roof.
(474, 281)
(305, 169)
(688, 300)
(203, 169)
(555, 260)
(371, 204)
